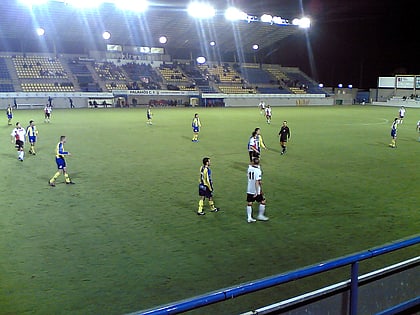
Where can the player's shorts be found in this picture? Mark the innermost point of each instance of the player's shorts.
(19, 144)
(401, 116)
(258, 198)
(47, 115)
(393, 133)
(61, 163)
(283, 139)
(149, 116)
(203, 190)
(32, 139)
(9, 116)
(196, 129)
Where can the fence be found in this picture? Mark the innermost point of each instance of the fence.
(246, 288)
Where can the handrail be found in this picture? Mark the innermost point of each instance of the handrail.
(253, 286)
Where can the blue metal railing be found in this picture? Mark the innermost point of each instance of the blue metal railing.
(253, 286)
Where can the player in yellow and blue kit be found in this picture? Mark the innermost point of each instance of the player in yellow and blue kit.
(149, 115)
(394, 125)
(32, 133)
(196, 124)
(60, 153)
(205, 187)
(9, 114)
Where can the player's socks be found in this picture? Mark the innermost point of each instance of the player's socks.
(52, 180)
(200, 206)
(67, 178)
(261, 210)
(211, 204)
(249, 212)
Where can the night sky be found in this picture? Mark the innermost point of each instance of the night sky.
(350, 42)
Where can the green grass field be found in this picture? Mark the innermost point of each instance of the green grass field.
(126, 236)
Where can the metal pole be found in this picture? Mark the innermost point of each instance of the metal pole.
(354, 287)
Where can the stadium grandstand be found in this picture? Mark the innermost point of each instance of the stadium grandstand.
(58, 47)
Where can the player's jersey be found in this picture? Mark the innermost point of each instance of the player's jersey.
(253, 143)
(31, 131)
(205, 177)
(9, 111)
(394, 129)
(418, 125)
(402, 112)
(149, 114)
(59, 151)
(254, 175)
(261, 143)
(268, 112)
(196, 122)
(19, 134)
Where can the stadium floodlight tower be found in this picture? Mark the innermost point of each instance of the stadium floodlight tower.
(163, 40)
(201, 10)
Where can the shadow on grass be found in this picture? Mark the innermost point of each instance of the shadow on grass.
(241, 166)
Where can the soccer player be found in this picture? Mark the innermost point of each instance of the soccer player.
(268, 114)
(394, 125)
(18, 137)
(418, 128)
(205, 187)
(260, 140)
(196, 124)
(401, 114)
(60, 153)
(254, 191)
(253, 146)
(47, 111)
(261, 106)
(9, 114)
(32, 133)
(284, 134)
(149, 115)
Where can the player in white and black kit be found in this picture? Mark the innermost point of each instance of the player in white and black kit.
(254, 191)
(18, 137)
(401, 114)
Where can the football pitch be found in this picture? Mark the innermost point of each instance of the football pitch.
(126, 237)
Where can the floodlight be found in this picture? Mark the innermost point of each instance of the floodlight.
(266, 18)
(255, 47)
(234, 14)
(106, 35)
(279, 20)
(40, 31)
(340, 85)
(130, 5)
(201, 60)
(321, 85)
(350, 86)
(305, 22)
(212, 43)
(163, 39)
(201, 10)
